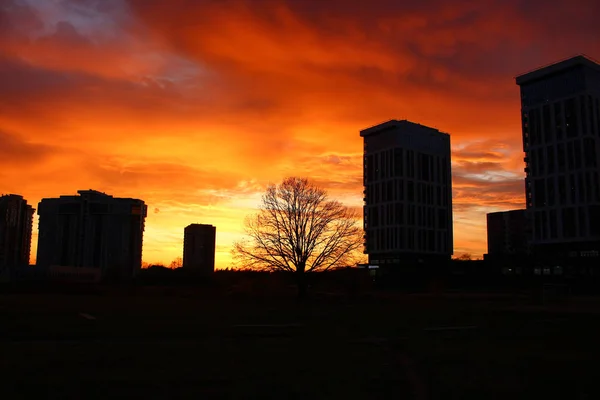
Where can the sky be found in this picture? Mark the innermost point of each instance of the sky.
(195, 106)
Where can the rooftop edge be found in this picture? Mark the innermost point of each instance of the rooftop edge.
(540, 72)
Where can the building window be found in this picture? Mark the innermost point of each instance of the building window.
(570, 156)
(581, 187)
(572, 188)
(400, 188)
(374, 216)
(534, 126)
(582, 222)
(398, 163)
(550, 161)
(547, 126)
(402, 238)
(551, 190)
(597, 117)
(370, 168)
(568, 221)
(541, 160)
(399, 213)
(577, 149)
(525, 119)
(561, 157)
(590, 103)
(583, 111)
(589, 152)
(410, 164)
(410, 240)
(553, 224)
(594, 217)
(562, 190)
(537, 218)
(442, 222)
(539, 193)
(595, 187)
(588, 187)
(571, 118)
(445, 178)
(558, 120)
(389, 185)
(411, 215)
(425, 173)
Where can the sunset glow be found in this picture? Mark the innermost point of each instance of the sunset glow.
(196, 106)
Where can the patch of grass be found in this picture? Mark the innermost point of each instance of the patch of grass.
(193, 346)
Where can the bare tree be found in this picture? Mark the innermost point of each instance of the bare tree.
(464, 257)
(176, 263)
(299, 230)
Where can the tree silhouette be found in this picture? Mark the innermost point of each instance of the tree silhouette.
(299, 230)
(176, 263)
(464, 257)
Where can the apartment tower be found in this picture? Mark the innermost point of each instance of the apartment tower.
(94, 230)
(16, 221)
(560, 111)
(407, 195)
(199, 248)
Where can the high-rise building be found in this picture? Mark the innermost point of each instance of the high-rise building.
(560, 110)
(16, 221)
(92, 230)
(199, 242)
(508, 233)
(408, 195)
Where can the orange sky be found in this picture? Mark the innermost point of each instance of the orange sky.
(195, 106)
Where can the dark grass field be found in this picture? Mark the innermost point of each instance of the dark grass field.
(126, 345)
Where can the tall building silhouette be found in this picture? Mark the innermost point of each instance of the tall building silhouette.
(408, 195)
(561, 140)
(199, 241)
(92, 230)
(16, 221)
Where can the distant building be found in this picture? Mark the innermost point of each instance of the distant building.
(199, 242)
(560, 107)
(408, 194)
(92, 230)
(508, 233)
(16, 221)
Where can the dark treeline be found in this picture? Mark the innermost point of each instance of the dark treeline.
(466, 276)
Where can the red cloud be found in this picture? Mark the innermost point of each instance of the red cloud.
(183, 103)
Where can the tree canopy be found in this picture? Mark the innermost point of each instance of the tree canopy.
(299, 229)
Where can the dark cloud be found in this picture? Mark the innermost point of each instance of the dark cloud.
(478, 167)
(475, 155)
(177, 101)
(17, 151)
(471, 193)
(17, 18)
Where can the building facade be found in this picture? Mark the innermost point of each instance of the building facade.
(16, 222)
(199, 243)
(92, 230)
(407, 209)
(560, 106)
(508, 233)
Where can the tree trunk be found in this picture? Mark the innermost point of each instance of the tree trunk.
(301, 282)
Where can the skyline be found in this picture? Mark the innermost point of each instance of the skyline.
(127, 98)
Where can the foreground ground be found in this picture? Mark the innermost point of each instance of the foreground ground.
(407, 347)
